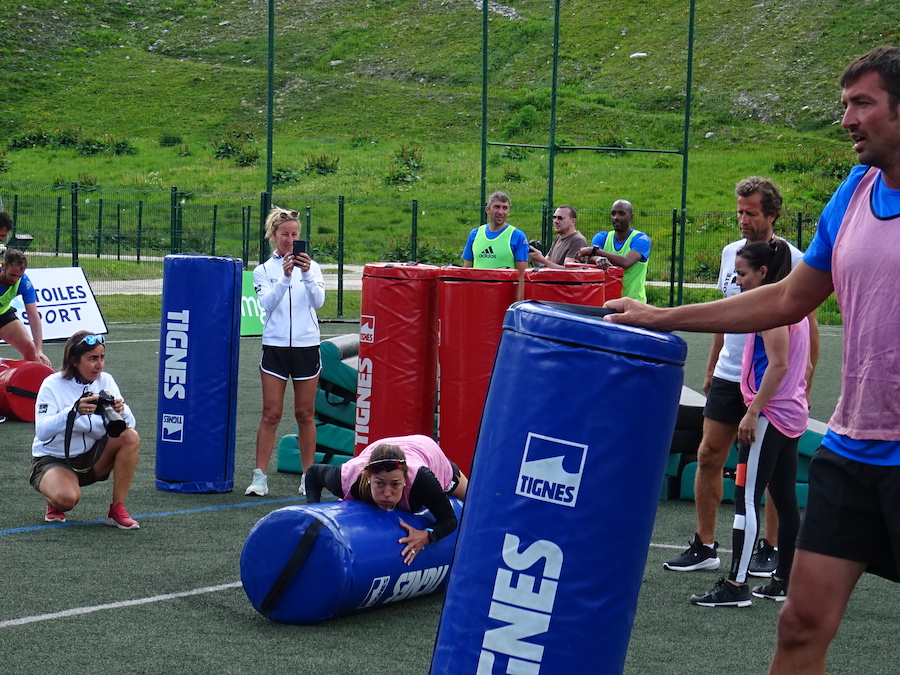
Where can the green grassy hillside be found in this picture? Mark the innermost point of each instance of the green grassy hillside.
(385, 74)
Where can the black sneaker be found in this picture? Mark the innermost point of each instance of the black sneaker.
(724, 594)
(699, 556)
(775, 590)
(765, 560)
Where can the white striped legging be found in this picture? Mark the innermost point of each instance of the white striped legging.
(770, 462)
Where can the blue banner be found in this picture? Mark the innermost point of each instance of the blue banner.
(198, 367)
(562, 497)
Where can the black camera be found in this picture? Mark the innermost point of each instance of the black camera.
(112, 421)
(536, 243)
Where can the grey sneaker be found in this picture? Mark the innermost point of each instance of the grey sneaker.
(724, 594)
(764, 561)
(699, 556)
(302, 488)
(775, 590)
(260, 484)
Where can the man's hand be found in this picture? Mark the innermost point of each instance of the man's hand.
(603, 263)
(632, 312)
(584, 252)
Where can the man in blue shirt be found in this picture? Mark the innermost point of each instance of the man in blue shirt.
(624, 247)
(13, 282)
(497, 244)
(850, 525)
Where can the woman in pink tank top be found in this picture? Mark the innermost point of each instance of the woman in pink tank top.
(773, 382)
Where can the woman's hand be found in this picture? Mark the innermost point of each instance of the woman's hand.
(302, 261)
(747, 428)
(287, 264)
(415, 541)
(87, 405)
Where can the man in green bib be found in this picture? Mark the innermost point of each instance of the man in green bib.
(497, 244)
(624, 247)
(13, 282)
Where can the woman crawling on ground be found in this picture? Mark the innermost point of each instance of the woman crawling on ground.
(405, 472)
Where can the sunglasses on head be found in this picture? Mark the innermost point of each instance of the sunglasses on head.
(92, 340)
(287, 215)
(380, 465)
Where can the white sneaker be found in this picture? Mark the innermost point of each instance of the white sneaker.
(260, 484)
(302, 488)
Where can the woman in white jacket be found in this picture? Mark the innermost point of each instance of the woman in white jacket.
(290, 289)
(67, 413)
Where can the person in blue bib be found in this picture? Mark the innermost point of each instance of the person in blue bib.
(497, 244)
(624, 247)
(13, 282)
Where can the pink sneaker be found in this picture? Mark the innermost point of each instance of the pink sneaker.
(118, 517)
(54, 516)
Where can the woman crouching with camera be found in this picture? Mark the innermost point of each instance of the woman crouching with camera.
(83, 432)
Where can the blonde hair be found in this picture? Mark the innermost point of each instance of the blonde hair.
(379, 452)
(276, 217)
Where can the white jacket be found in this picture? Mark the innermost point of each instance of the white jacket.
(290, 303)
(55, 399)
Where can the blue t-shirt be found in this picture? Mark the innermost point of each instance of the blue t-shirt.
(885, 203)
(26, 289)
(518, 242)
(640, 243)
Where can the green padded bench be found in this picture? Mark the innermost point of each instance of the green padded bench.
(334, 445)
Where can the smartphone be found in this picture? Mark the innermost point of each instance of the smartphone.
(299, 246)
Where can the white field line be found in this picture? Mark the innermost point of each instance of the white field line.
(77, 611)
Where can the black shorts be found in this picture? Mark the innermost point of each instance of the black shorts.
(296, 363)
(853, 512)
(40, 466)
(8, 317)
(724, 403)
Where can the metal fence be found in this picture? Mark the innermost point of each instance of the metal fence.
(122, 234)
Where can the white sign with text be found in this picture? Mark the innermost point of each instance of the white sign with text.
(65, 303)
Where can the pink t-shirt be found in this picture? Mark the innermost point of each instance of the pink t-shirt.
(419, 450)
(867, 408)
(787, 410)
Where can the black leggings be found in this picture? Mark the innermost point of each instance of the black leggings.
(771, 461)
(323, 475)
